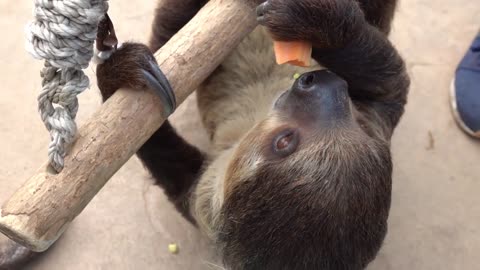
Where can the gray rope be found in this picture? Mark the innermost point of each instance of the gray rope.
(63, 35)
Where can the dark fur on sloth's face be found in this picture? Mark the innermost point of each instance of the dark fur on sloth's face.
(308, 188)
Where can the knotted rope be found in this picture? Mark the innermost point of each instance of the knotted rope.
(63, 35)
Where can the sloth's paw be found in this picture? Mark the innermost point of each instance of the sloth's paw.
(133, 66)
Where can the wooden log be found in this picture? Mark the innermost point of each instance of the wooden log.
(40, 211)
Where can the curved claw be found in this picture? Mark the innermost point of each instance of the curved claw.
(158, 82)
(157, 72)
(261, 11)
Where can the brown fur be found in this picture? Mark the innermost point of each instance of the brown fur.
(132, 55)
(171, 16)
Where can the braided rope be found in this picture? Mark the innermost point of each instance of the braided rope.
(63, 35)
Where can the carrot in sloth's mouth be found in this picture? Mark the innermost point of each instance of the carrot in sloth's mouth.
(298, 53)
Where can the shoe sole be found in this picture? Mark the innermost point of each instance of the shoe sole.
(456, 114)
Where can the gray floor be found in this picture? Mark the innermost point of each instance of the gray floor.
(435, 217)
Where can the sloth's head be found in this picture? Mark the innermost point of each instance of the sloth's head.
(307, 188)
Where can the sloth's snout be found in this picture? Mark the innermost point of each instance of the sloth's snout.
(320, 83)
(317, 96)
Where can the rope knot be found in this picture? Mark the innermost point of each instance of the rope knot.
(63, 35)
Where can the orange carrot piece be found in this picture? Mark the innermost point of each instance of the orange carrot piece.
(298, 53)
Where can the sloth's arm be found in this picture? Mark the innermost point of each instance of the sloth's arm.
(375, 72)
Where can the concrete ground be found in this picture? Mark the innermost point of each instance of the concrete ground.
(435, 216)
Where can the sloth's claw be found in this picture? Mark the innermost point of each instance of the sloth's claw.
(157, 81)
(261, 11)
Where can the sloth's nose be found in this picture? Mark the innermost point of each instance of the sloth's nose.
(319, 83)
(320, 95)
(306, 82)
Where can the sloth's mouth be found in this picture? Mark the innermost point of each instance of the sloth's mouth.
(279, 98)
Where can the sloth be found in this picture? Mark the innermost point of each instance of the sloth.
(299, 172)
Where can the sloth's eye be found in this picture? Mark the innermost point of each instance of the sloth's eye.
(286, 142)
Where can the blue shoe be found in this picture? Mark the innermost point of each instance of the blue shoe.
(465, 91)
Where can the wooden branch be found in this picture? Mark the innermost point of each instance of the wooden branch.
(40, 211)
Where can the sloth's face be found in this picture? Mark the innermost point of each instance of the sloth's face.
(307, 182)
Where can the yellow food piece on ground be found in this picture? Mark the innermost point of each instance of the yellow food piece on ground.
(173, 248)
